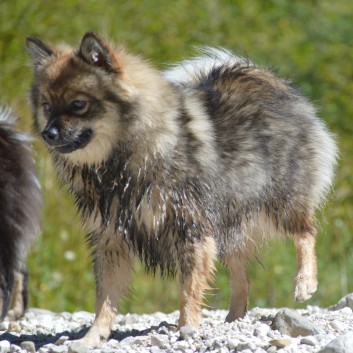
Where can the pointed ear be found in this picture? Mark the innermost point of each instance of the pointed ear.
(97, 53)
(37, 50)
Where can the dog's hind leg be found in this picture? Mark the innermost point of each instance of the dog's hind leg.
(237, 263)
(113, 270)
(197, 268)
(306, 279)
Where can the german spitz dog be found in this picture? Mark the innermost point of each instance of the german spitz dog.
(209, 159)
(20, 204)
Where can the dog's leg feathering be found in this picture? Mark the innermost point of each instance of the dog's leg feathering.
(113, 269)
(194, 280)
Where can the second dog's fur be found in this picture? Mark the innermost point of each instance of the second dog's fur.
(211, 158)
(20, 203)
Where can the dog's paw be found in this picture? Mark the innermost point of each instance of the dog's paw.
(80, 346)
(88, 341)
(305, 287)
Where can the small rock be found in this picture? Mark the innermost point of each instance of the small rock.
(155, 349)
(281, 342)
(4, 346)
(209, 342)
(186, 332)
(337, 325)
(127, 341)
(14, 327)
(342, 344)
(4, 325)
(163, 330)
(28, 346)
(107, 350)
(243, 346)
(272, 349)
(259, 350)
(58, 349)
(233, 343)
(140, 340)
(14, 348)
(217, 344)
(161, 341)
(346, 311)
(309, 340)
(78, 347)
(61, 340)
(346, 301)
(287, 322)
(261, 331)
(182, 345)
(313, 309)
(223, 350)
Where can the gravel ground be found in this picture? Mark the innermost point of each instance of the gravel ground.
(262, 330)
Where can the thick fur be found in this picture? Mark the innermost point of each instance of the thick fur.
(20, 203)
(209, 159)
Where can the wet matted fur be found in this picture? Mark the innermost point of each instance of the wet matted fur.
(209, 159)
(20, 203)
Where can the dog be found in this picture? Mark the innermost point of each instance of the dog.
(209, 159)
(20, 205)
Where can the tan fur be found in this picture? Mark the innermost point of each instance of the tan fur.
(113, 265)
(17, 303)
(237, 263)
(193, 285)
(306, 279)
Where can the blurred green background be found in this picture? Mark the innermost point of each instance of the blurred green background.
(309, 42)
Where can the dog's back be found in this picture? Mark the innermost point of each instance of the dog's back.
(269, 148)
(20, 202)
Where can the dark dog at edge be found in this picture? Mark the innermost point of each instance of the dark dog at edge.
(20, 204)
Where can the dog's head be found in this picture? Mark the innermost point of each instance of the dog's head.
(82, 102)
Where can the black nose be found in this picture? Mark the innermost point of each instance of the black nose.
(51, 134)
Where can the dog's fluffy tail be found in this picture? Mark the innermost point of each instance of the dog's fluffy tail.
(209, 59)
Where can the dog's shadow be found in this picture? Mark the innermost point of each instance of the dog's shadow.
(41, 340)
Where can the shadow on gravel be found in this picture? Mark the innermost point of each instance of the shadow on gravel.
(40, 340)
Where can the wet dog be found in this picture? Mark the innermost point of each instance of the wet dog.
(207, 160)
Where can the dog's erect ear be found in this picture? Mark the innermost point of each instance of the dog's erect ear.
(97, 53)
(38, 50)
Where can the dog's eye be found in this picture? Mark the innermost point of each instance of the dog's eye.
(78, 105)
(46, 107)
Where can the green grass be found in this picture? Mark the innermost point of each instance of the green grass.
(308, 42)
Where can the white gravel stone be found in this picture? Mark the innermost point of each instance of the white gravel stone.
(4, 346)
(58, 349)
(309, 340)
(155, 333)
(28, 346)
(14, 348)
(161, 341)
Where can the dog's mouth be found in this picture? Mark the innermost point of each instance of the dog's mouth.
(80, 141)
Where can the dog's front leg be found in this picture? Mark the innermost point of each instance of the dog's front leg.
(112, 268)
(197, 268)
